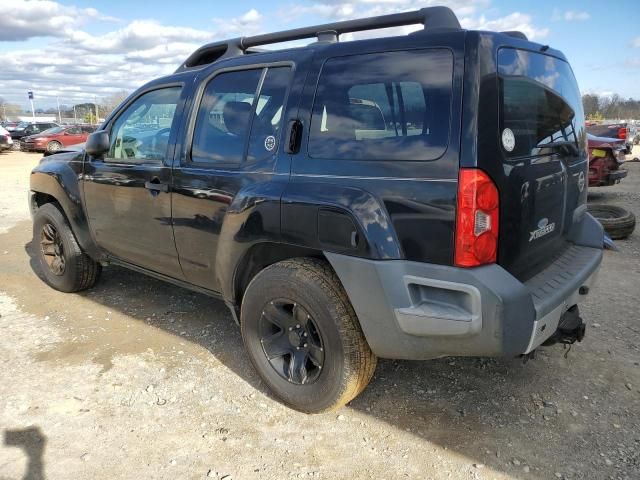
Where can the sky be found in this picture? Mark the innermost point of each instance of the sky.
(78, 50)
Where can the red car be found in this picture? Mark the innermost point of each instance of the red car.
(605, 157)
(55, 138)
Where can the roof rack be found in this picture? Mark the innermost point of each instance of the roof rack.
(430, 17)
(516, 34)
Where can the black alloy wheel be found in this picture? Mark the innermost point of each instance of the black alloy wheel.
(52, 249)
(60, 260)
(291, 341)
(303, 337)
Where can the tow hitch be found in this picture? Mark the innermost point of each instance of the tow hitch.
(571, 329)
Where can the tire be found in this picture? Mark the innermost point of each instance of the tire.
(64, 266)
(53, 146)
(618, 222)
(338, 363)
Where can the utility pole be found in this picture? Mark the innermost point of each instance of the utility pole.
(33, 111)
(95, 103)
(75, 117)
(59, 114)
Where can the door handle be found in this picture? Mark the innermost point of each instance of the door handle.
(155, 186)
(294, 135)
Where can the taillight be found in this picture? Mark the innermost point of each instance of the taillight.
(476, 238)
(622, 133)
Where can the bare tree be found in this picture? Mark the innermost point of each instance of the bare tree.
(8, 110)
(591, 104)
(111, 102)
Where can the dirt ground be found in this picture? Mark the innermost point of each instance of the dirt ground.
(141, 379)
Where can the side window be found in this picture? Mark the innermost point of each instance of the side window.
(267, 122)
(383, 106)
(223, 120)
(141, 133)
(73, 131)
(225, 128)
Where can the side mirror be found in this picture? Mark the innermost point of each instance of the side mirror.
(97, 144)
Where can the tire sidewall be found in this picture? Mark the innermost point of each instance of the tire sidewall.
(280, 283)
(50, 214)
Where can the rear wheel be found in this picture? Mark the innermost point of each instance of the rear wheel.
(63, 264)
(618, 222)
(303, 336)
(53, 146)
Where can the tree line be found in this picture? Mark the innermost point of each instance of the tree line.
(84, 112)
(611, 107)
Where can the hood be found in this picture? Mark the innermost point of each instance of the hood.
(77, 148)
(62, 156)
(38, 135)
(594, 141)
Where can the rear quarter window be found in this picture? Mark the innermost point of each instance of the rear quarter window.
(383, 106)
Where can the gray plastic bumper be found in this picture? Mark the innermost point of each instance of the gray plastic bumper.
(412, 310)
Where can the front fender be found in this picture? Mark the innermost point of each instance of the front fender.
(59, 176)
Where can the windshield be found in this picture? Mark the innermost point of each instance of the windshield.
(23, 125)
(540, 102)
(52, 131)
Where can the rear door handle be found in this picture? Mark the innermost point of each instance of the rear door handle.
(155, 186)
(294, 135)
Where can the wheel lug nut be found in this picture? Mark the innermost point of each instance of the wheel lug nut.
(298, 325)
(304, 334)
(290, 328)
(305, 345)
(297, 348)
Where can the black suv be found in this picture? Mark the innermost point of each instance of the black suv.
(24, 129)
(410, 197)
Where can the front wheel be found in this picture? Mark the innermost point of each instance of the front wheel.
(53, 146)
(63, 264)
(303, 336)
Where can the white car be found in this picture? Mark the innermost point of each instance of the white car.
(5, 139)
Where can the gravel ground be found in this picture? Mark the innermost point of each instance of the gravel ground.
(140, 379)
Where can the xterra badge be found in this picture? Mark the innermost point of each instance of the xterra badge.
(544, 227)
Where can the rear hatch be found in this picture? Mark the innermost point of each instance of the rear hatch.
(543, 155)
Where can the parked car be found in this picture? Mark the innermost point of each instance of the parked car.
(10, 126)
(24, 129)
(55, 138)
(334, 239)
(5, 139)
(606, 155)
(623, 131)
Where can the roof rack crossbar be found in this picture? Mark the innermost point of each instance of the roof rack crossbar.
(430, 17)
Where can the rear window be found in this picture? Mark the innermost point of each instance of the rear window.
(540, 102)
(383, 106)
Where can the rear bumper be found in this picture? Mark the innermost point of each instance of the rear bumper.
(412, 310)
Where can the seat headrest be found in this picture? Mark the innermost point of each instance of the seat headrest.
(236, 116)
